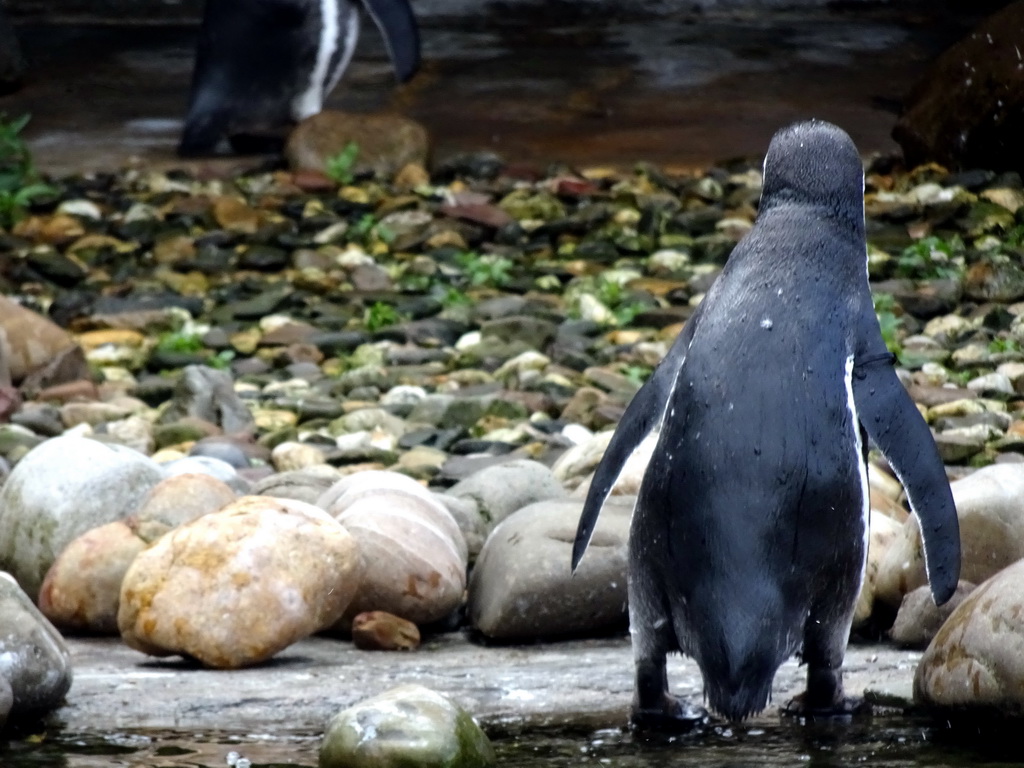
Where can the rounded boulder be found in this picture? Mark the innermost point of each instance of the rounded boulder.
(236, 586)
(61, 489)
(977, 658)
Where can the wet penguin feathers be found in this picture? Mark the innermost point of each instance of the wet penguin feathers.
(749, 537)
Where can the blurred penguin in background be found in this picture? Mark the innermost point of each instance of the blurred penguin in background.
(264, 64)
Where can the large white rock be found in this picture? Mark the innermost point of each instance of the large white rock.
(60, 490)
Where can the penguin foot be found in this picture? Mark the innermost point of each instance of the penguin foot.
(844, 708)
(673, 716)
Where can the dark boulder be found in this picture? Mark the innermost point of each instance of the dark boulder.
(968, 108)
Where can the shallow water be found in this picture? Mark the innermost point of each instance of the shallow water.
(539, 81)
(880, 742)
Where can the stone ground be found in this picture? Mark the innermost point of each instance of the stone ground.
(509, 689)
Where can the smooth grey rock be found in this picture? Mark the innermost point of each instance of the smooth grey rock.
(208, 394)
(34, 660)
(449, 411)
(502, 489)
(466, 512)
(58, 491)
(217, 448)
(522, 587)
(207, 465)
(409, 726)
(6, 700)
(307, 484)
(919, 618)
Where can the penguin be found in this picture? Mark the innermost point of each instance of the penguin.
(264, 64)
(748, 540)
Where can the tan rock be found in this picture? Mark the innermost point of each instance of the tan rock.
(383, 631)
(990, 507)
(81, 591)
(386, 142)
(884, 531)
(29, 339)
(288, 456)
(236, 586)
(234, 214)
(977, 658)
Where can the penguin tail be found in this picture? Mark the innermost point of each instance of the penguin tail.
(738, 678)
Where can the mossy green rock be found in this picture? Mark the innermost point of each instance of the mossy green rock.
(406, 727)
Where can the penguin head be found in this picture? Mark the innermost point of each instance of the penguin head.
(815, 163)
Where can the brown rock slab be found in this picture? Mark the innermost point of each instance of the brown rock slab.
(386, 142)
(29, 340)
(968, 108)
(383, 631)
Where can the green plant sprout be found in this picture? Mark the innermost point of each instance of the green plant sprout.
(20, 185)
(339, 167)
(380, 315)
(488, 270)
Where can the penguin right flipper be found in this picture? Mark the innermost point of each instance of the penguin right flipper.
(397, 25)
(644, 412)
(892, 420)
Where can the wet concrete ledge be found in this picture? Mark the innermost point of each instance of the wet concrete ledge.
(510, 689)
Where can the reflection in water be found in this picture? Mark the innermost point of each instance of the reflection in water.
(879, 742)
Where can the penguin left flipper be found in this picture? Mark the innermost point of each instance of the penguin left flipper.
(644, 412)
(397, 25)
(892, 420)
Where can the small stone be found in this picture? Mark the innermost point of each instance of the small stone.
(290, 456)
(382, 631)
(919, 618)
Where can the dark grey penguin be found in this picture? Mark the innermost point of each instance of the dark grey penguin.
(749, 536)
(263, 64)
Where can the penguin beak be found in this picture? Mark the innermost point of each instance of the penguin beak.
(397, 25)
